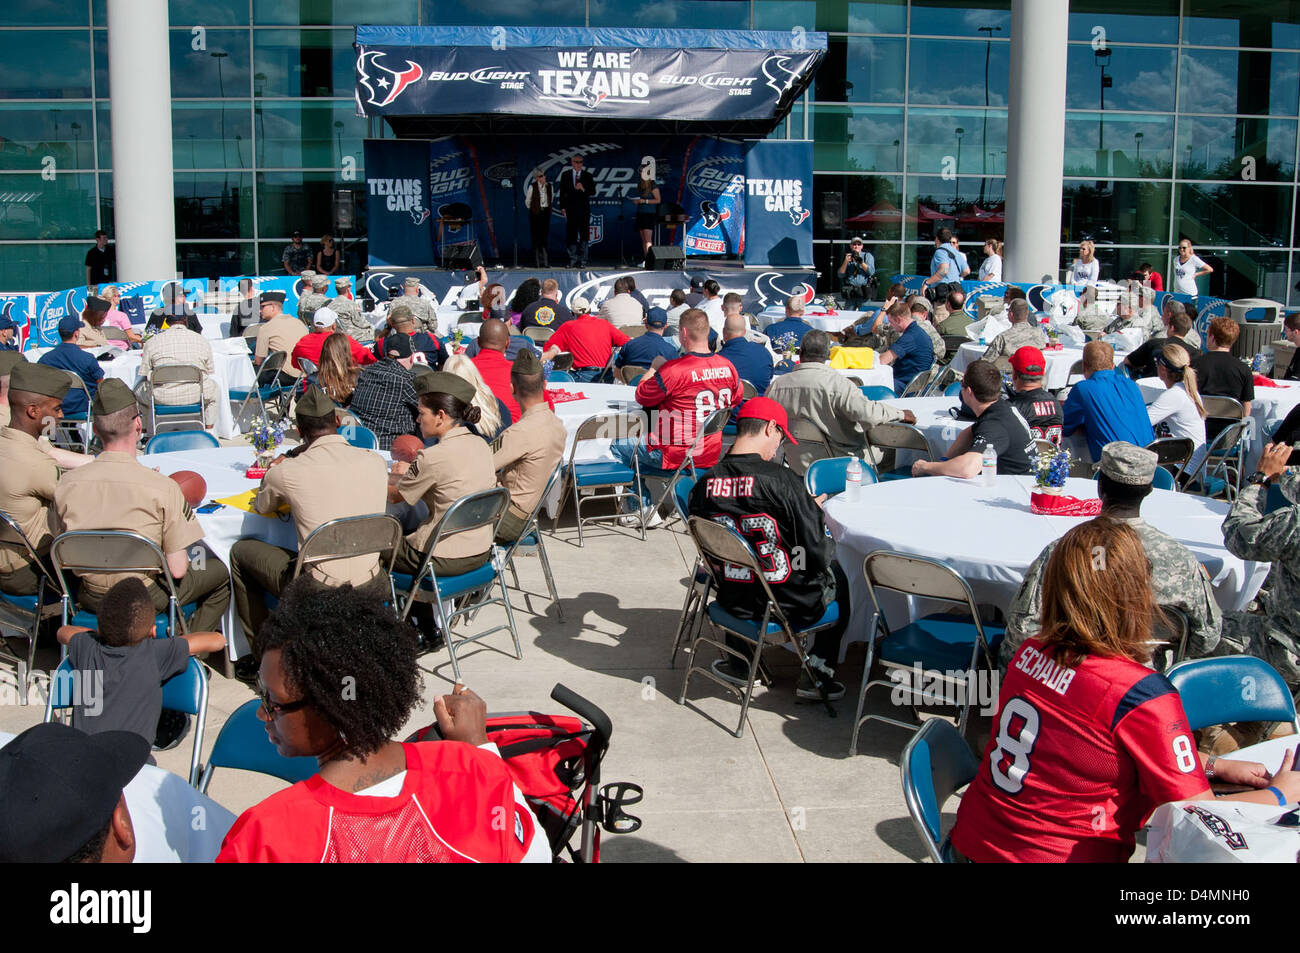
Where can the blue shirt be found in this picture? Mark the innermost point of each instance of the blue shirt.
(1109, 407)
(941, 255)
(913, 353)
(793, 326)
(751, 361)
(643, 349)
(72, 358)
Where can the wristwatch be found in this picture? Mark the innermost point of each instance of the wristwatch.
(1209, 765)
(1259, 478)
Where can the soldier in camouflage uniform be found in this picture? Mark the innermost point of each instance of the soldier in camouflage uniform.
(352, 320)
(1091, 317)
(1248, 533)
(421, 309)
(313, 299)
(1177, 579)
(1022, 333)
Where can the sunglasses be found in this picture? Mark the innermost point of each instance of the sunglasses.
(275, 709)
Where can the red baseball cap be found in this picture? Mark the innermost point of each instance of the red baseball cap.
(1029, 362)
(764, 408)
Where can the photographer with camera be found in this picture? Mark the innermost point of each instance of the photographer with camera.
(858, 271)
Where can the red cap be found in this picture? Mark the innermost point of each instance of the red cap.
(764, 408)
(1029, 362)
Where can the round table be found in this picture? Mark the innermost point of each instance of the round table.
(821, 321)
(989, 536)
(1059, 362)
(935, 420)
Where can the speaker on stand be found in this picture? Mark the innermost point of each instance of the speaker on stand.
(463, 256)
(345, 220)
(665, 258)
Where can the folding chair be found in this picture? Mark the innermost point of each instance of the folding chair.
(951, 343)
(1075, 369)
(563, 377)
(471, 591)
(1175, 452)
(1045, 447)
(361, 437)
(877, 392)
(1213, 691)
(898, 436)
(607, 373)
(186, 692)
(633, 330)
(348, 537)
(176, 440)
(24, 614)
(244, 744)
(539, 336)
(939, 644)
(697, 591)
(1220, 469)
(714, 426)
(111, 552)
(953, 389)
(604, 475)
(813, 445)
(722, 550)
(747, 390)
(75, 429)
(830, 476)
(630, 372)
(940, 382)
(266, 390)
(113, 334)
(530, 539)
(169, 414)
(936, 764)
(1169, 632)
(916, 386)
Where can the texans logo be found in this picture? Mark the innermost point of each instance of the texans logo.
(799, 215)
(419, 215)
(779, 75)
(709, 214)
(301, 287)
(768, 290)
(390, 82)
(595, 99)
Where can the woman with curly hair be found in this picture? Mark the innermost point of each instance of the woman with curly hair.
(339, 370)
(529, 290)
(338, 680)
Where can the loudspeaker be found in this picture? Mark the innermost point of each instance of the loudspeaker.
(462, 256)
(665, 258)
(345, 210)
(833, 210)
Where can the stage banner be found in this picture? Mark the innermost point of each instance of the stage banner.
(688, 75)
(457, 195)
(398, 212)
(713, 194)
(778, 204)
(17, 307)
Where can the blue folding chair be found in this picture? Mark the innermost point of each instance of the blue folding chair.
(530, 540)
(612, 476)
(953, 389)
(243, 743)
(697, 592)
(898, 436)
(877, 392)
(267, 390)
(936, 764)
(1220, 691)
(176, 440)
(186, 692)
(559, 377)
(21, 616)
(829, 475)
(361, 437)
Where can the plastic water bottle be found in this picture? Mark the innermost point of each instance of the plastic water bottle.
(853, 481)
(989, 470)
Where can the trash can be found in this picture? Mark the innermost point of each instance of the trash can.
(1255, 336)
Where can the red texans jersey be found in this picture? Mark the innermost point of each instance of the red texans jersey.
(1078, 760)
(682, 395)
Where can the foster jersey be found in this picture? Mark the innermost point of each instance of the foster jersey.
(681, 396)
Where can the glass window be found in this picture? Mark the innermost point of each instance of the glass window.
(214, 205)
(207, 12)
(337, 12)
(33, 131)
(42, 13)
(36, 208)
(1242, 23)
(971, 205)
(1244, 273)
(105, 203)
(969, 141)
(214, 259)
(959, 17)
(828, 255)
(1261, 150)
(1123, 144)
(1141, 78)
(885, 16)
(303, 63)
(1120, 263)
(101, 64)
(691, 14)
(353, 250)
(947, 73)
(869, 206)
(859, 69)
(1115, 213)
(1156, 23)
(1229, 81)
(309, 134)
(857, 139)
(302, 200)
(1229, 214)
(53, 64)
(221, 69)
(104, 141)
(44, 264)
(211, 135)
(881, 17)
(776, 15)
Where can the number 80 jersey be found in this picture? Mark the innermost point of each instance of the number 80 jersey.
(1077, 760)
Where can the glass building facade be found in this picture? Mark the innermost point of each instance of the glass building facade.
(1181, 120)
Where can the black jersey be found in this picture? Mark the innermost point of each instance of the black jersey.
(1041, 411)
(768, 505)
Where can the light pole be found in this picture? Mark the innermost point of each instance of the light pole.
(898, 156)
(221, 86)
(988, 48)
(1103, 58)
(76, 144)
(1137, 138)
(956, 179)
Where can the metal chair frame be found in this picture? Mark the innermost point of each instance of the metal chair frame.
(1173, 452)
(539, 335)
(813, 446)
(531, 526)
(348, 536)
(716, 424)
(176, 374)
(896, 435)
(265, 386)
(936, 761)
(697, 590)
(1222, 461)
(600, 427)
(114, 551)
(70, 428)
(916, 386)
(243, 731)
(945, 376)
(165, 441)
(17, 618)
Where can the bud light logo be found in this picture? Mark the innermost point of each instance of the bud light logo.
(710, 179)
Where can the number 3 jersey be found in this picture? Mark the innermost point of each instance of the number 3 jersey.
(1077, 761)
(768, 505)
(681, 397)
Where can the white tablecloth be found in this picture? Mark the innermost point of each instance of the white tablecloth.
(882, 375)
(934, 420)
(819, 320)
(989, 536)
(1058, 362)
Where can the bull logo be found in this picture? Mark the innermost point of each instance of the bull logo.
(388, 83)
(798, 216)
(419, 215)
(594, 99)
(768, 287)
(779, 75)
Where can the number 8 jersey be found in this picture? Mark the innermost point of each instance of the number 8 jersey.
(1078, 759)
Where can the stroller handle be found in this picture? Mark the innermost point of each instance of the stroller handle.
(585, 710)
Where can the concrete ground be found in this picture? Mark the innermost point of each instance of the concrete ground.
(786, 791)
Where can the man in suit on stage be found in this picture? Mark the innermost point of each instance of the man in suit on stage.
(576, 187)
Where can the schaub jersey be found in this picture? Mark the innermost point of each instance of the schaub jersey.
(681, 396)
(1077, 761)
(769, 507)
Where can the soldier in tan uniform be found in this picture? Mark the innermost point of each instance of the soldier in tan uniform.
(117, 492)
(530, 448)
(92, 323)
(313, 299)
(278, 332)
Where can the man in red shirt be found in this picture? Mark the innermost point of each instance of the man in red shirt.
(681, 396)
(494, 366)
(310, 345)
(588, 338)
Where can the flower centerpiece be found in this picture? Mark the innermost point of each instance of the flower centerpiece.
(457, 340)
(1051, 471)
(786, 344)
(1048, 497)
(265, 438)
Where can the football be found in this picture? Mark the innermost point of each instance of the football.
(406, 448)
(193, 486)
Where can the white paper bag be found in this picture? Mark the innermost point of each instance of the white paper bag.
(1221, 832)
(989, 328)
